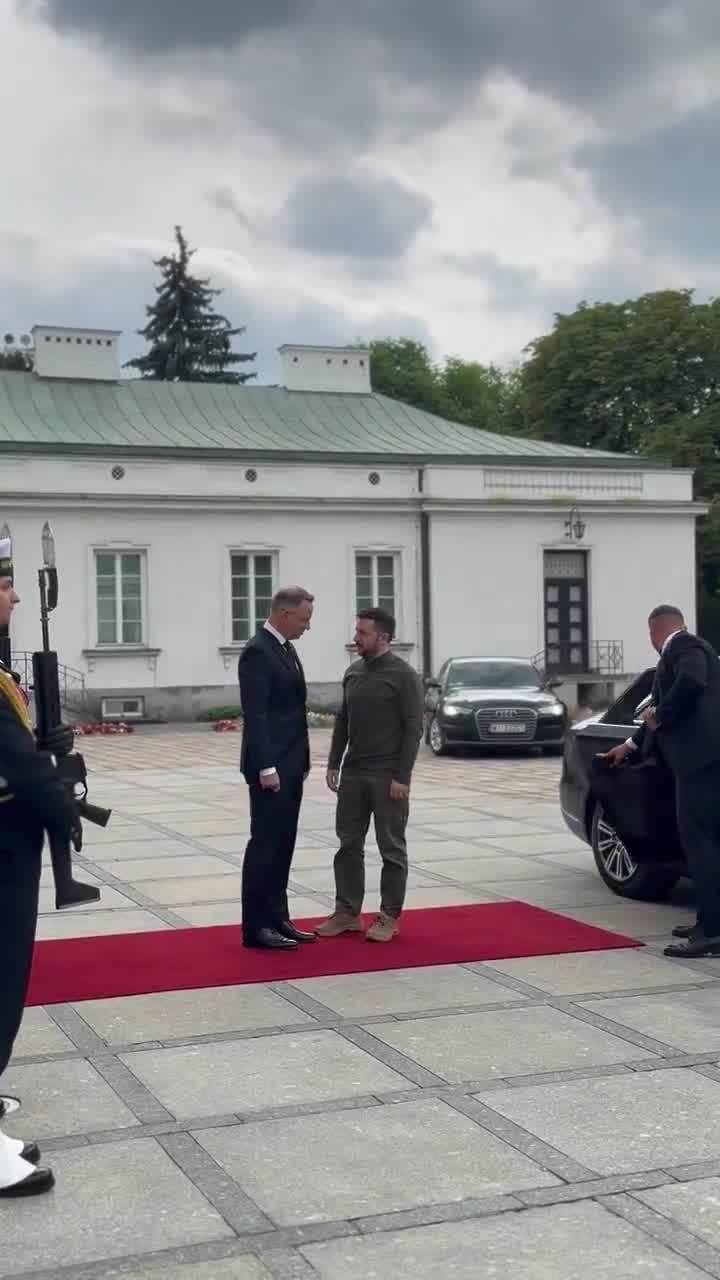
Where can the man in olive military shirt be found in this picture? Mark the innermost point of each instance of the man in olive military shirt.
(376, 738)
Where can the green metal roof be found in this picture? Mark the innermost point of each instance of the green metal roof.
(174, 419)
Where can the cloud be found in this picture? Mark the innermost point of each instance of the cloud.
(164, 25)
(355, 217)
(457, 172)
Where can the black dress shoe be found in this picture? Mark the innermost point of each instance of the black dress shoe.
(695, 947)
(288, 930)
(31, 1153)
(270, 940)
(8, 1105)
(686, 931)
(34, 1185)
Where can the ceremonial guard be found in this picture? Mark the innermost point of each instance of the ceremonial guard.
(33, 801)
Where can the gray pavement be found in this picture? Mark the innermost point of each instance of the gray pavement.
(546, 1117)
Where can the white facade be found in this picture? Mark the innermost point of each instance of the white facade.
(180, 522)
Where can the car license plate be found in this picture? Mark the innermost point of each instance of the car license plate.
(508, 728)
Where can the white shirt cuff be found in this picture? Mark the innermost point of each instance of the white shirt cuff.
(265, 773)
(632, 745)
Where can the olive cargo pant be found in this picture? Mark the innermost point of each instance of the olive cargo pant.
(360, 798)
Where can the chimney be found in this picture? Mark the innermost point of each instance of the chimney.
(88, 354)
(332, 369)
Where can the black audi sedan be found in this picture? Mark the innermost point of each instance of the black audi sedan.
(654, 875)
(493, 702)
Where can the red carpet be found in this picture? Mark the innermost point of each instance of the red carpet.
(183, 959)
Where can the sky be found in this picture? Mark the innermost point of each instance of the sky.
(452, 172)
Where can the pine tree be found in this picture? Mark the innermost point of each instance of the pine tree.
(188, 341)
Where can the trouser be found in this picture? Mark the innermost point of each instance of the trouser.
(697, 800)
(266, 867)
(360, 798)
(19, 889)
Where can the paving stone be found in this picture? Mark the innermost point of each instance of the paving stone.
(173, 1015)
(215, 825)
(110, 900)
(509, 1042)
(245, 1267)
(480, 828)
(136, 850)
(39, 1034)
(135, 871)
(558, 1243)
(109, 1202)
(94, 924)
(532, 843)
(253, 1075)
(634, 919)
(358, 995)
(622, 1124)
(487, 866)
(694, 1205)
(563, 891)
(420, 895)
(62, 1098)
(366, 1161)
(194, 889)
(583, 971)
(229, 912)
(688, 1021)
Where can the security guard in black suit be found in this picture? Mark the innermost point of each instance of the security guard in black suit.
(684, 719)
(32, 801)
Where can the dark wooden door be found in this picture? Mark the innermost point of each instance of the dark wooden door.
(566, 613)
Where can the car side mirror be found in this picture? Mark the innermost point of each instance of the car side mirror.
(554, 683)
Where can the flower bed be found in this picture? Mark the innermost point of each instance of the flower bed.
(89, 730)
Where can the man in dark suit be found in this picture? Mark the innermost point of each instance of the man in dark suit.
(33, 800)
(275, 761)
(684, 718)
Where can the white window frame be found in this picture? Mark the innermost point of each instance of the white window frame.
(254, 621)
(117, 550)
(374, 552)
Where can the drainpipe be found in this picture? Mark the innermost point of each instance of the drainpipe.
(425, 583)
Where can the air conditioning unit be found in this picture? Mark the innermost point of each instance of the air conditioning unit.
(122, 708)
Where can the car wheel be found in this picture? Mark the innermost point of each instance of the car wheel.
(620, 872)
(436, 738)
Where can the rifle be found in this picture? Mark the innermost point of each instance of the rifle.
(69, 892)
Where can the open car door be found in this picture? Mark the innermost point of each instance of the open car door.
(639, 800)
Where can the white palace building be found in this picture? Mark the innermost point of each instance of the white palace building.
(178, 507)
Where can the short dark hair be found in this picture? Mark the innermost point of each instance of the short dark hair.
(291, 597)
(381, 620)
(667, 611)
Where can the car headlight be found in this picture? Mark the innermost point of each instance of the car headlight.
(557, 709)
(451, 710)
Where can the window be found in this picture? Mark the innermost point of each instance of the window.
(119, 594)
(251, 590)
(375, 575)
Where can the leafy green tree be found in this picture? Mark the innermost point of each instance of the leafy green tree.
(608, 375)
(460, 390)
(188, 341)
(403, 369)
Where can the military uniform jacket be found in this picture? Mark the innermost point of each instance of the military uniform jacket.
(32, 797)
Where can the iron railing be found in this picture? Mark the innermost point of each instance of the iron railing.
(605, 658)
(73, 693)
